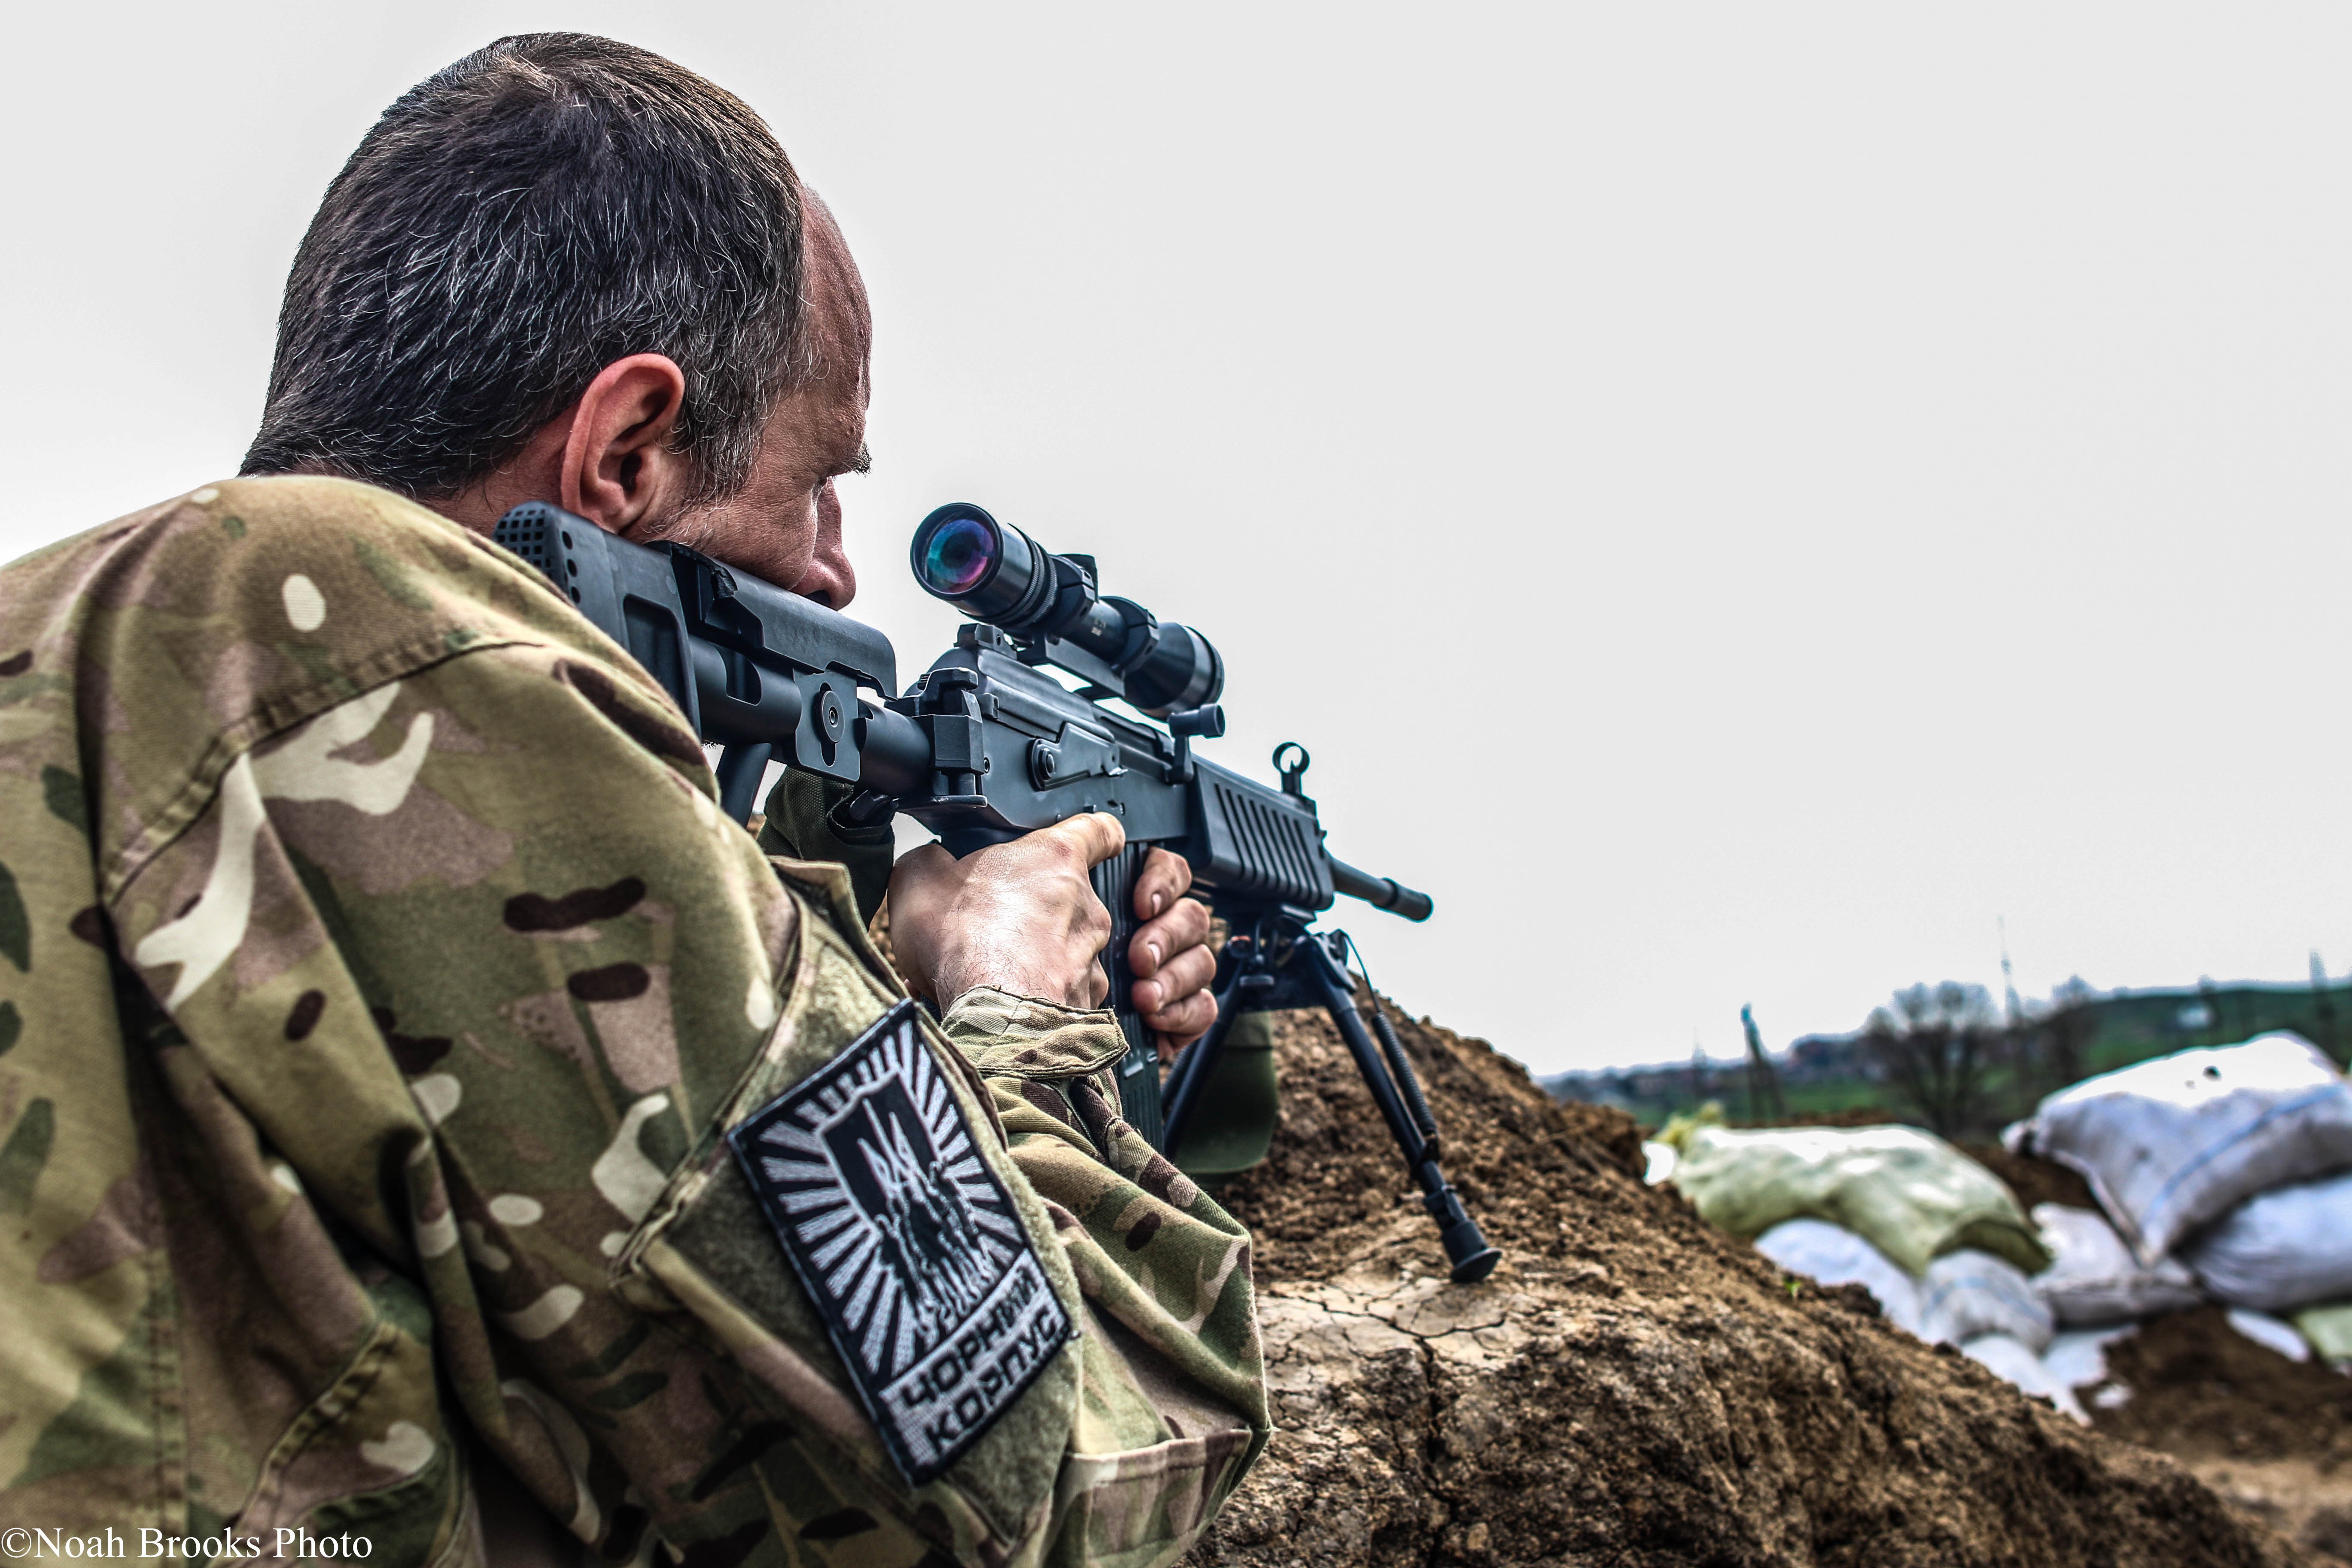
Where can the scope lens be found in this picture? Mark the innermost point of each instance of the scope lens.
(989, 571)
(959, 556)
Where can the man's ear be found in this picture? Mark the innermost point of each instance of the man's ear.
(617, 469)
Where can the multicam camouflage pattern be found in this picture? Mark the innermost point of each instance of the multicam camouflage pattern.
(377, 976)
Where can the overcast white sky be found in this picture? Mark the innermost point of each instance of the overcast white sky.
(1737, 499)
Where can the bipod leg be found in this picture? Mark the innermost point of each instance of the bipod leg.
(1465, 1246)
(1408, 1081)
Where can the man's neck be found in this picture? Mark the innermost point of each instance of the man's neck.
(468, 508)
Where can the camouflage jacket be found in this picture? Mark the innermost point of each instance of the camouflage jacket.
(378, 983)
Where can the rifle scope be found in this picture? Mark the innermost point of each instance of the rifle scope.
(1052, 604)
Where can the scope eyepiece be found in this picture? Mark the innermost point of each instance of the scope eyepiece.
(988, 571)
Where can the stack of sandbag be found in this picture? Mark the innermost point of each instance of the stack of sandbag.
(2094, 1279)
(2172, 1143)
(1906, 1192)
(2280, 1250)
(1970, 1295)
(2225, 1169)
(1981, 1303)
(1933, 1235)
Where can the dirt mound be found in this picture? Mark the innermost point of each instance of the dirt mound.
(2200, 1388)
(1630, 1387)
(2273, 1437)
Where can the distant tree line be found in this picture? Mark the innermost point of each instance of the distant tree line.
(1948, 1058)
(1947, 1055)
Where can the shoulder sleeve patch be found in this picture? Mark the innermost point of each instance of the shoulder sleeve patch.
(908, 1245)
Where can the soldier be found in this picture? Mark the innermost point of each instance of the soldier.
(413, 1092)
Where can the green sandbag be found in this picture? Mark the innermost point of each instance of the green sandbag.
(2329, 1327)
(1905, 1190)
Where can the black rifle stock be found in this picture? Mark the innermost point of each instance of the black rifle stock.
(986, 746)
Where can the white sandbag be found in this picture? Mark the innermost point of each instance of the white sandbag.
(1835, 1256)
(2095, 1278)
(2170, 1145)
(2078, 1357)
(2270, 1333)
(2281, 1249)
(1908, 1192)
(1969, 1294)
(2013, 1361)
(1657, 1160)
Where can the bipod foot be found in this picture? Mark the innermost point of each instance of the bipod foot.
(1465, 1244)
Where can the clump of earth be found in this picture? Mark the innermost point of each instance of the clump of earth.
(1631, 1386)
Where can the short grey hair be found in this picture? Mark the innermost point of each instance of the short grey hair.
(511, 226)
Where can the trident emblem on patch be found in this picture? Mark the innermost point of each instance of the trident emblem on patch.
(907, 1243)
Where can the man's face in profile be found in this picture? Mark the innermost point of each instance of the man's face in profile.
(785, 524)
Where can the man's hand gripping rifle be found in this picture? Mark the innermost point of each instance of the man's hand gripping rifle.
(986, 746)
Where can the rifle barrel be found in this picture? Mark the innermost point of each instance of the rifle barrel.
(1380, 893)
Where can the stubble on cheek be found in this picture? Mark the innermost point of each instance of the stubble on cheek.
(761, 541)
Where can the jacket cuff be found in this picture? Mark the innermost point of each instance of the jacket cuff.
(1009, 1036)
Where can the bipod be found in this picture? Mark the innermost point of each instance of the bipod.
(1280, 964)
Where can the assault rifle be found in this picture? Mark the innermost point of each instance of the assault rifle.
(986, 746)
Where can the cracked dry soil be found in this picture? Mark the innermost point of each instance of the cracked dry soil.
(1630, 1388)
